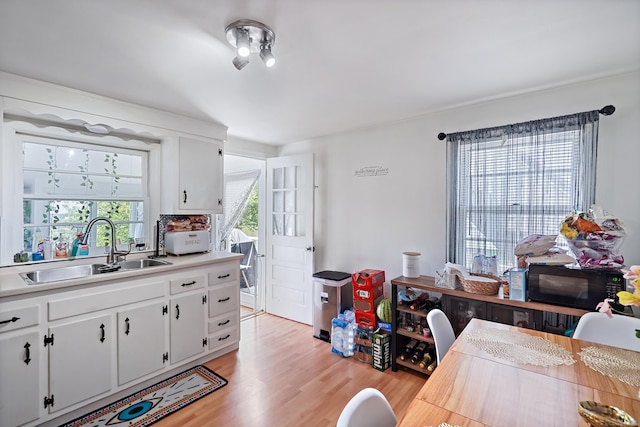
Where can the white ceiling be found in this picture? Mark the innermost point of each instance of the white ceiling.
(342, 64)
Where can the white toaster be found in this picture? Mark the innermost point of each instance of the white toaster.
(187, 242)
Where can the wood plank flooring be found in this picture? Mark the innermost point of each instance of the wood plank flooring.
(282, 376)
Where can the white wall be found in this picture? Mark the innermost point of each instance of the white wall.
(368, 222)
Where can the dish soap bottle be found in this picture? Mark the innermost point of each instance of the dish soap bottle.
(74, 246)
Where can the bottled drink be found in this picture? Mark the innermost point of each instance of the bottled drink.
(408, 349)
(426, 361)
(432, 366)
(418, 353)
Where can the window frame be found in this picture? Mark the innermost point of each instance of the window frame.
(11, 156)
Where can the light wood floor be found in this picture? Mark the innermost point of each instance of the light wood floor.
(282, 376)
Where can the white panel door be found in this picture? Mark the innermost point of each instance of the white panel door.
(19, 379)
(289, 241)
(187, 326)
(141, 341)
(80, 361)
(200, 175)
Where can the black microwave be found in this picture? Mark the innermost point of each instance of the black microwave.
(573, 286)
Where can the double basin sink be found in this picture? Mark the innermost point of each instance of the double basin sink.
(39, 277)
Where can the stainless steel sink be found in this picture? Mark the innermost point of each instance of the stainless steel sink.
(141, 263)
(64, 273)
(39, 277)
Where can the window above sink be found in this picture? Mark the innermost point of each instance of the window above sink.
(65, 177)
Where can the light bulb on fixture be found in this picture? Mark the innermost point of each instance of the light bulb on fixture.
(267, 57)
(242, 43)
(240, 62)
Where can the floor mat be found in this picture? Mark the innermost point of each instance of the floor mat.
(155, 402)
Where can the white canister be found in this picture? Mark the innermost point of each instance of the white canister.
(410, 264)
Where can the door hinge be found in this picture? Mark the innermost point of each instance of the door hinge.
(165, 309)
(48, 401)
(204, 342)
(219, 202)
(204, 299)
(165, 357)
(219, 151)
(48, 340)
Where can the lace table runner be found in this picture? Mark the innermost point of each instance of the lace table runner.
(614, 362)
(520, 348)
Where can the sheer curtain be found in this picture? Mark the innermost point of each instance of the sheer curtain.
(508, 182)
(237, 190)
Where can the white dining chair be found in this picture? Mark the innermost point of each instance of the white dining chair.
(368, 408)
(442, 332)
(618, 331)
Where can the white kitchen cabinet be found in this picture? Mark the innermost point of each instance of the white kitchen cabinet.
(223, 327)
(79, 360)
(200, 176)
(141, 341)
(20, 399)
(186, 334)
(78, 342)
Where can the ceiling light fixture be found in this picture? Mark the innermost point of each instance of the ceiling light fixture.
(249, 36)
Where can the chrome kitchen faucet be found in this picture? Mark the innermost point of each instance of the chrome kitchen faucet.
(114, 255)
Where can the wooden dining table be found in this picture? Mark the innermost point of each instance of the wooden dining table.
(472, 387)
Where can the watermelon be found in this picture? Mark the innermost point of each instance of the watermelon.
(384, 310)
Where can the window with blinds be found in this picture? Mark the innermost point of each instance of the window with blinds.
(509, 182)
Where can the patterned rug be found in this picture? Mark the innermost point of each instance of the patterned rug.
(155, 402)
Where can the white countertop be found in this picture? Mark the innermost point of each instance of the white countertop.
(12, 284)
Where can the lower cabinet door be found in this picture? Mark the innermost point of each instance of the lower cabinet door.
(186, 332)
(79, 361)
(19, 379)
(141, 341)
(522, 317)
(460, 311)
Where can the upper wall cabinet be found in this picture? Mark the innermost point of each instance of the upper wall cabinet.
(199, 184)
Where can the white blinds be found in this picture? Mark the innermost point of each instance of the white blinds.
(508, 182)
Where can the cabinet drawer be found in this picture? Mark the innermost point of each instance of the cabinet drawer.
(222, 273)
(223, 299)
(73, 306)
(224, 338)
(187, 282)
(20, 317)
(225, 321)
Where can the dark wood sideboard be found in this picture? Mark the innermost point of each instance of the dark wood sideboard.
(460, 307)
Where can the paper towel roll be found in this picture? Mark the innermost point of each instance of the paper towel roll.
(410, 264)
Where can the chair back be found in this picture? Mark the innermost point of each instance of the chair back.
(368, 408)
(616, 332)
(442, 332)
